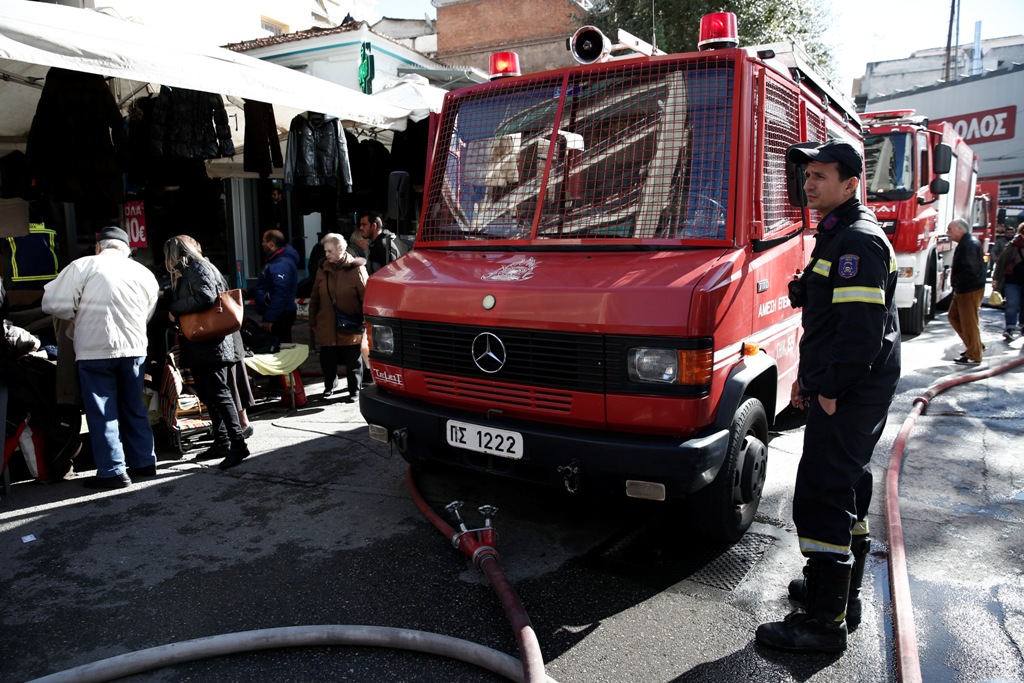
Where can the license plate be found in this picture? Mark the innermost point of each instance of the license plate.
(488, 440)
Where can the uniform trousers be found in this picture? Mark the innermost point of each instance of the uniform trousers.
(833, 479)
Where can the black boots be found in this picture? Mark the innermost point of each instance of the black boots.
(239, 452)
(822, 627)
(860, 547)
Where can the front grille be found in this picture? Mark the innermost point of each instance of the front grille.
(539, 400)
(573, 362)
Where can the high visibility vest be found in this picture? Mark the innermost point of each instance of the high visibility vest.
(34, 256)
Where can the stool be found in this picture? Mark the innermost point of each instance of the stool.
(280, 364)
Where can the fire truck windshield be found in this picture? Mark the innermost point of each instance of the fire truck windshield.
(889, 166)
(621, 152)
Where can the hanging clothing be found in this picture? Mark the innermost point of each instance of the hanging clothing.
(377, 170)
(76, 144)
(317, 153)
(190, 125)
(33, 257)
(262, 145)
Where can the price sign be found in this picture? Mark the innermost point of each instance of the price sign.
(135, 224)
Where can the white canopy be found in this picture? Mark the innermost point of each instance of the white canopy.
(415, 94)
(36, 35)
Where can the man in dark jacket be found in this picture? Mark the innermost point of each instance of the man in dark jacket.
(849, 368)
(384, 246)
(968, 290)
(276, 287)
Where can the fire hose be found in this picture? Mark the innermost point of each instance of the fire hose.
(908, 664)
(478, 545)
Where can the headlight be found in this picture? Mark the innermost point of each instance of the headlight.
(653, 365)
(685, 367)
(382, 339)
(906, 273)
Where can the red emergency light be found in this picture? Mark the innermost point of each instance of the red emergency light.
(718, 31)
(504, 64)
(890, 114)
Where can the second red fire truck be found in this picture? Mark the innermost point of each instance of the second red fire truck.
(597, 297)
(918, 175)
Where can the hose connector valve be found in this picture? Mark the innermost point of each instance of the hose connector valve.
(487, 511)
(453, 509)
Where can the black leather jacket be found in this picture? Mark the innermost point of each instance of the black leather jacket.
(317, 153)
(969, 272)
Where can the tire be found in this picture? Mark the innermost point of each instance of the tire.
(932, 293)
(725, 509)
(912, 319)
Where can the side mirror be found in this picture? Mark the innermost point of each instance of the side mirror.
(942, 158)
(795, 176)
(1001, 216)
(939, 186)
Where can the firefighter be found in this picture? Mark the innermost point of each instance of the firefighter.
(849, 368)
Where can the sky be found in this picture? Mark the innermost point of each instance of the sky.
(862, 31)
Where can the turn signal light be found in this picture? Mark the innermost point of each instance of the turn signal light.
(718, 31)
(504, 64)
(695, 366)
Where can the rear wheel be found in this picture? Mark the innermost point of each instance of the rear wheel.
(725, 509)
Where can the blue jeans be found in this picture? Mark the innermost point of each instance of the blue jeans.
(1011, 301)
(119, 428)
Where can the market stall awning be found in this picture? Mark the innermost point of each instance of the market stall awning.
(35, 36)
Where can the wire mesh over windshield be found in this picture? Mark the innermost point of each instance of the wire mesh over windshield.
(640, 151)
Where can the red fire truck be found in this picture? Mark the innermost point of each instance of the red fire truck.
(597, 297)
(905, 156)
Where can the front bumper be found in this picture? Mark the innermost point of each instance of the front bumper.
(581, 460)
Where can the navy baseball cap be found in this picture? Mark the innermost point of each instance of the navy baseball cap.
(833, 151)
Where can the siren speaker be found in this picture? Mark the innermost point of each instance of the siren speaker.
(588, 45)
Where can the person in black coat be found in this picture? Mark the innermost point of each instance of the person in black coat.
(195, 284)
(968, 275)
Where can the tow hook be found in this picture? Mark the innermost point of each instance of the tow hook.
(401, 439)
(570, 476)
(479, 543)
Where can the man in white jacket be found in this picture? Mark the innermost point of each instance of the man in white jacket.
(110, 298)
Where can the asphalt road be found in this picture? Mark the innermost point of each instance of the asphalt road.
(317, 528)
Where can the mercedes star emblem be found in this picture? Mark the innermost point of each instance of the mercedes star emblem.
(488, 353)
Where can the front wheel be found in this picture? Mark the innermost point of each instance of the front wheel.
(725, 509)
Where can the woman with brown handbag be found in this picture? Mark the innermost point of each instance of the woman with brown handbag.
(336, 314)
(195, 286)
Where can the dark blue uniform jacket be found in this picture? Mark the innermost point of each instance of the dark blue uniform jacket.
(850, 349)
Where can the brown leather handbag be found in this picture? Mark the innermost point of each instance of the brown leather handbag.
(216, 322)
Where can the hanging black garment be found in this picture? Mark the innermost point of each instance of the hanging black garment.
(409, 151)
(262, 146)
(317, 154)
(76, 140)
(376, 170)
(190, 125)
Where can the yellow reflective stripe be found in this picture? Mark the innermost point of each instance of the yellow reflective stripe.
(892, 264)
(861, 528)
(864, 295)
(809, 545)
(822, 267)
